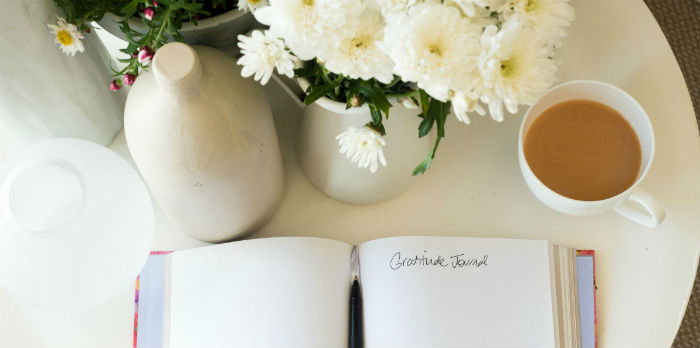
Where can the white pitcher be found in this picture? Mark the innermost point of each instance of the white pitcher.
(43, 92)
(205, 142)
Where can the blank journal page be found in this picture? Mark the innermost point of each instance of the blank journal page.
(270, 292)
(456, 292)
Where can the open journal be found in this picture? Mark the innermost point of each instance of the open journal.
(417, 292)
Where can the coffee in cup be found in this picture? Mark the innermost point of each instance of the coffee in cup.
(583, 149)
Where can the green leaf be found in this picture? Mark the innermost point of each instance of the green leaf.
(192, 6)
(178, 37)
(425, 165)
(434, 111)
(130, 8)
(438, 111)
(171, 29)
(128, 32)
(424, 101)
(376, 97)
(425, 126)
(379, 128)
(316, 92)
(176, 5)
(306, 71)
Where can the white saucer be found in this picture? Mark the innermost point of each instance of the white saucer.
(79, 217)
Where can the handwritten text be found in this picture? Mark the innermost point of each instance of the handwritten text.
(454, 261)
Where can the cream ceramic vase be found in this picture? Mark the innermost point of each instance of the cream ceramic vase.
(335, 175)
(205, 142)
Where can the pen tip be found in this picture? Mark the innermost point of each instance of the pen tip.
(355, 278)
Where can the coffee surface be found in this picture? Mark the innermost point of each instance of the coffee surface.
(583, 150)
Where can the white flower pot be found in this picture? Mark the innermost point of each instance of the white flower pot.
(335, 175)
(219, 31)
(205, 142)
(43, 92)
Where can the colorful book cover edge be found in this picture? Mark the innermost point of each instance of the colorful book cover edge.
(136, 300)
(591, 253)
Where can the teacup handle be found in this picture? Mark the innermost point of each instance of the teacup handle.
(651, 217)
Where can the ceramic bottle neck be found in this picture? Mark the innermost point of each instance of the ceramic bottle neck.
(176, 66)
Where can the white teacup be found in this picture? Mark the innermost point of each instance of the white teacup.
(647, 212)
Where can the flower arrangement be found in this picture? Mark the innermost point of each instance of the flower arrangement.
(162, 18)
(446, 57)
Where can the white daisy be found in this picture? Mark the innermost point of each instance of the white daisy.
(515, 66)
(67, 36)
(306, 25)
(464, 103)
(434, 47)
(358, 55)
(548, 18)
(251, 5)
(262, 53)
(363, 146)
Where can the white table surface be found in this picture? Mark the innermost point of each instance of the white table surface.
(644, 276)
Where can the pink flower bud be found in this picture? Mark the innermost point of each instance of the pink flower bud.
(145, 55)
(156, 4)
(115, 85)
(148, 13)
(129, 79)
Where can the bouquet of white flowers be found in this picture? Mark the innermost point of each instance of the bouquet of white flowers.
(439, 55)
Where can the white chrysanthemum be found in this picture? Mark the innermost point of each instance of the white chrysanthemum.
(358, 55)
(363, 146)
(472, 8)
(464, 103)
(262, 53)
(548, 18)
(515, 66)
(67, 36)
(396, 6)
(306, 25)
(434, 47)
(251, 5)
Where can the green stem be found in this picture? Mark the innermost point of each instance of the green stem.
(324, 74)
(403, 95)
(85, 17)
(162, 27)
(428, 161)
(393, 82)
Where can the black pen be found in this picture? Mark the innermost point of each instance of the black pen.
(355, 316)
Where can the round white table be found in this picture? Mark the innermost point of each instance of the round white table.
(644, 276)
